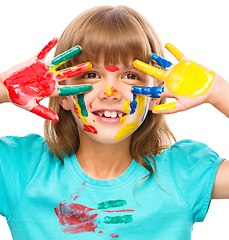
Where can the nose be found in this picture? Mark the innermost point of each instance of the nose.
(110, 93)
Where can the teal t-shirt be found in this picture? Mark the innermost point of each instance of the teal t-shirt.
(43, 197)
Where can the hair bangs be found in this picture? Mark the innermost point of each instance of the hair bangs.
(108, 38)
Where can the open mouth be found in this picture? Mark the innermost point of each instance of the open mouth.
(109, 114)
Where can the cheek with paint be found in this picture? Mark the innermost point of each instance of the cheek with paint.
(81, 112)
(129, 107)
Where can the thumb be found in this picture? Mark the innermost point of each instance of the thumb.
(168, 108)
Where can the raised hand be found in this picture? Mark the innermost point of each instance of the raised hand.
(190, 83)
(31, 81)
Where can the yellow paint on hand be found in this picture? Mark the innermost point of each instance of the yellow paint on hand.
(152, 71)
(129, 128)
(176, 53)
(189, 79)
(164, 107)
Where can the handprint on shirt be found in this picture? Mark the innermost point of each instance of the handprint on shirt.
(185, 81)
(34, 80)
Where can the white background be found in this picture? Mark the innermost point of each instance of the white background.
(199, 28)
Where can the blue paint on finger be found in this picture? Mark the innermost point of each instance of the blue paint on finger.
(153, 92)
(160, 61)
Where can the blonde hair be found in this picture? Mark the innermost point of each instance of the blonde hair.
(116, 33)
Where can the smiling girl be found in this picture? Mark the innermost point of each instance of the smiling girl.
(107, 167)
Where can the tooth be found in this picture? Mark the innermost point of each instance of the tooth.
(107, 114)
(100, 114)
(120, 115)
(113, 114)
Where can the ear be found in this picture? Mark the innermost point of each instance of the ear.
(153, 103)
(63, 101)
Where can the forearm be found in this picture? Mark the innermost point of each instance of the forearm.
(220, 96)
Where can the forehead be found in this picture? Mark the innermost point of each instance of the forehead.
(113, 67)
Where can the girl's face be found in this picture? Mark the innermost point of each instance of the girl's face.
(110, 112)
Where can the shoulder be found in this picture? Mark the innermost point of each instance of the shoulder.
(22, 150)
(189, 152)
(192, 167)
(14, 141)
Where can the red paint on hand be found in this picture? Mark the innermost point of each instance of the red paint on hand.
(73, 71)
(45, 113)
(47, 48)
(32, 83)
(111, 68)
(29, 83)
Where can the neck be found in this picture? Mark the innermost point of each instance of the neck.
(104, 161)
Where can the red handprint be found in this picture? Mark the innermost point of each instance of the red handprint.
(34, 80)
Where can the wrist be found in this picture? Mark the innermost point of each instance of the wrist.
(219, 96)
(4, 96)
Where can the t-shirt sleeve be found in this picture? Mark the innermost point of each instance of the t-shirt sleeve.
(19, 158)
(193, 167)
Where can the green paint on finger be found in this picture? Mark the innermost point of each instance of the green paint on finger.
(66, 56)
(118, 219)
(73, 90)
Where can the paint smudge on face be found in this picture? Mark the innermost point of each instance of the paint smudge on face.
(87, 126)
(129, 128)
(82, 105)
(90, 128)
(146, 109)
(126, 109)
(133, 104)
(141, 101)
(76, 218)
(110, 91)
(111, 68)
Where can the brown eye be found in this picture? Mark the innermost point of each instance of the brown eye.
(91, 75)
(131, 76)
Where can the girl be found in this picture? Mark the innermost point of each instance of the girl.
(107, 167)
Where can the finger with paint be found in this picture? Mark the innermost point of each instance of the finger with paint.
(160, 61)
(153, 92)
(64, 57)
(33, 80)
(73, 71)
(185, 81)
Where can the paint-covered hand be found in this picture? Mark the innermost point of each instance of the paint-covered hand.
(190, 83)
(28, 83)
